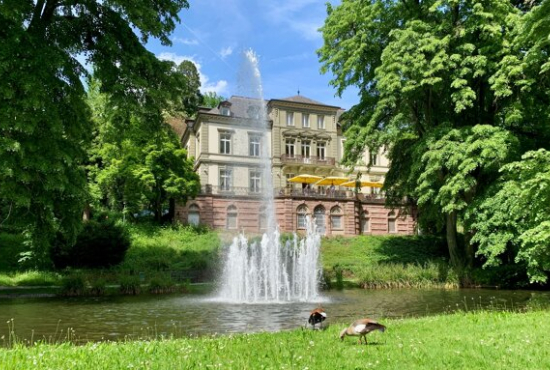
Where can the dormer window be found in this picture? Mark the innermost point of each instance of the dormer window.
(225, 108)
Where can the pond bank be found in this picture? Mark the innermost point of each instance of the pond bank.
(464, 340)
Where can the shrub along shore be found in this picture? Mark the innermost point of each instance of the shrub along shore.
(166, 259)
(464, 340)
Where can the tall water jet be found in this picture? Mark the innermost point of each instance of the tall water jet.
(269, 270)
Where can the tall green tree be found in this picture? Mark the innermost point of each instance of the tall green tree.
(135, 168)
(426, 77)
(44, 121)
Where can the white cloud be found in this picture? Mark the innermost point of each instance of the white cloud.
(185, 41)
(305, 17)
(225, 52)
(219, 87)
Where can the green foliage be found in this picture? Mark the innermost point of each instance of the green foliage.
(73, 285)
(135, 168)
(130, 285)
(211, 99)
(453, 90)
(515, 220)
(45, 124)
(171, 248)
(100, 244)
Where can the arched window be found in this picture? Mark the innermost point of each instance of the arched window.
(336, 218)
(301, 214)
(231, 222)
(391, 222)
(365, 222)
(193, 216)
(263, 218)
(319, 217)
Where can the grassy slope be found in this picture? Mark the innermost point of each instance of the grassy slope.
(482, 340)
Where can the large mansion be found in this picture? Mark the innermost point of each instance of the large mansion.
(302, 137)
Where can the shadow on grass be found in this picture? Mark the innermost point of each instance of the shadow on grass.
(412, 249)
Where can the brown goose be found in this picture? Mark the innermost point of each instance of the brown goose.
(317, 316)
(361, 328)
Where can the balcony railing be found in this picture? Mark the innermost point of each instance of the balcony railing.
(314, 192)
(328, 161)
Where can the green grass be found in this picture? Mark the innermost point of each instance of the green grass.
(467, 340)
(364, 261)
(387, 262)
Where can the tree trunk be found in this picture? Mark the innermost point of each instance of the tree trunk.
(452, 243)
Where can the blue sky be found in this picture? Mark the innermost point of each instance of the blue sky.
(283, 33)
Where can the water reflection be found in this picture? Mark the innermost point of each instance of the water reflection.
(115, 318)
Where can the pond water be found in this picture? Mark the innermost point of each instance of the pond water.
(116, 318)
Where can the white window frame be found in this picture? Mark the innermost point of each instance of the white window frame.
(306, 149)
(290, 148)
(231, 218)
(305, 120)
(226, 179)
(290, 118)
(321, 150)
(374, 159)
(301, 216)
(254, 145)
(321, 122)
(255, 181)
(225, 142)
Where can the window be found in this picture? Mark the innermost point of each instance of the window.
(225, 179)
(321, 149)
(254, 146)
(263, 218)
(365, 222)
(289, 118)
(193, 217)
(225, 143)
(290, 148)
(301, 214)
(306, 149)
(336, 218)
(225, 111)
(391, 222)
(255, 177)
(289, 176)
(198, 145)
(321, 122)
(231, 222)
(319, 218)
(305, 120)
(374, 159)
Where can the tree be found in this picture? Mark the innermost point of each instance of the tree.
(211, 99)
(515, 218)
(426, 75)
(134, 168)
(44, 121)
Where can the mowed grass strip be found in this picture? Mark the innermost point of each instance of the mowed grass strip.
(470, 340)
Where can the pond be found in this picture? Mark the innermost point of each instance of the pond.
(120, 317)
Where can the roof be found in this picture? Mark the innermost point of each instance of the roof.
(240, 106)
(304, 100)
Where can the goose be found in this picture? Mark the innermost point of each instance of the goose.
(361, 328)
(317, 316)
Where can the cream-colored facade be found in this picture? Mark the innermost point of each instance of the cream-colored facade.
(300, 136)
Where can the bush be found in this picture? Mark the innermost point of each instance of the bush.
(100, 244)
(73, 285)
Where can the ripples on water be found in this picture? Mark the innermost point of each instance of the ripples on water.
(116, 318)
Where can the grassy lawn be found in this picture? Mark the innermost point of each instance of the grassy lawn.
(471, 340)
(388, 261)
(155, 252)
